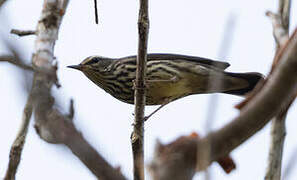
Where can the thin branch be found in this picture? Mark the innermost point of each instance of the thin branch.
(277, 93)
(284, 9)
(22, 32)
(280, 34)
(96, 11)
(18, 144)
(278, 133)
(15, 61)
(71, 110)
(280, 24)
(137, 137)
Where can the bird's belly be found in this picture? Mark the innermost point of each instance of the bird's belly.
(162, 92)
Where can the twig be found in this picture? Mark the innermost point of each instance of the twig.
(137, 137)
(71, 110)
(22, 32)
(16, 61)
(280, 34)
(96, 11)
(280, 24)
(277, 93)
(18, 144)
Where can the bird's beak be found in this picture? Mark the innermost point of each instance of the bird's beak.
(78, 67)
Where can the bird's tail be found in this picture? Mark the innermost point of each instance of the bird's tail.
(251, 77)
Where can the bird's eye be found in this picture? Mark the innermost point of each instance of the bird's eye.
(94, 60)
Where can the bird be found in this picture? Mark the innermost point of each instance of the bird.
(168, 77)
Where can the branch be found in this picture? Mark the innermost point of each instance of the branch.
(280, 24)
(16, 61)
(277, 93)
(279, 32)
(57, 128)
(181, 151)
(51, 125)
(18, 144)
(137, 136)
(22, 32)
(96, 11)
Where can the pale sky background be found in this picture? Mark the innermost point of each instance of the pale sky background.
(188, 27)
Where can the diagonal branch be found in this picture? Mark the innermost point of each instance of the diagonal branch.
(137, 138)
(277, 93)
(18, 144)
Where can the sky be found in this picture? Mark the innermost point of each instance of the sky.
(184, 27)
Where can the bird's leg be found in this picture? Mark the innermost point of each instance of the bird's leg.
(167, 101)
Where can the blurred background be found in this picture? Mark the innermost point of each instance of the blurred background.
(198, 28)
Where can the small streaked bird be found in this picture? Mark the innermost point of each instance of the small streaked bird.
(169, 77)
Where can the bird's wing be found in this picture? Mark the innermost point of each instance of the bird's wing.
(217, 64)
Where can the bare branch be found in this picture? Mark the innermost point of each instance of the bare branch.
(51, 125)
(280, 24)
(96, 11)
(18, 144)
(284, 9)
(278, 133)
(71, 110)
(57, 128)
(137, 137)
(16, 61)
(280, 34)
(277, 93)
(22, 32)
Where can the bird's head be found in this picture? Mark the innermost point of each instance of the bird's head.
(98, 64)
